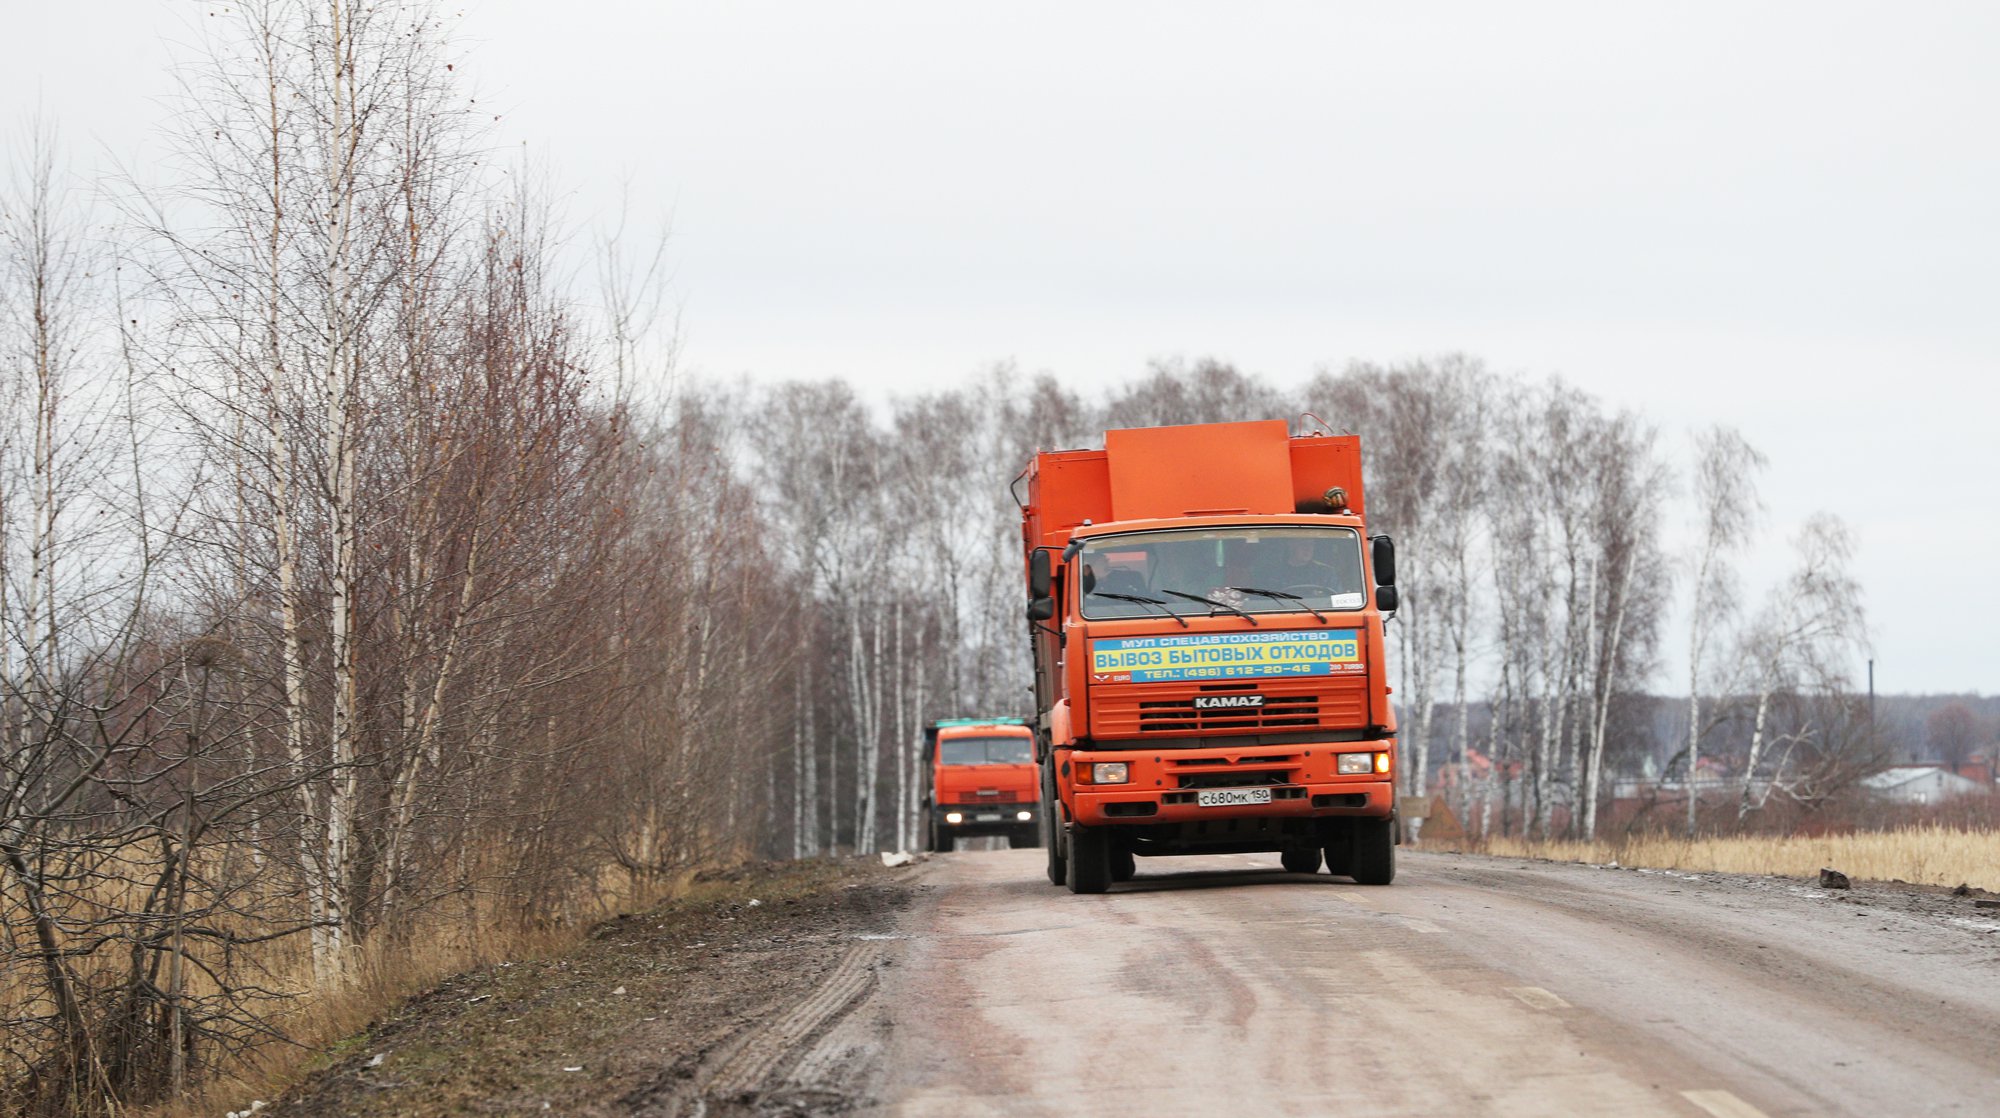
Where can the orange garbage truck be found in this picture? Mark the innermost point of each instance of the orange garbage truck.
(1205, 607)
(980, 779)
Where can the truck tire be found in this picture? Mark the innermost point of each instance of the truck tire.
(1089, 860)
(1300, 859)
(1051, 838)
(1124, 867)
(945, 841)
(1337, 842)
(1374, 851)
(1024, 840)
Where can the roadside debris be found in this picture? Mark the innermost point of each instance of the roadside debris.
(896, 858)
(1833, 879)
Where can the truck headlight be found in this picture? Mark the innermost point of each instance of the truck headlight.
(1110, 772)
(1381, 762)
(1023, 816)
(1356, 764)
(954, 817)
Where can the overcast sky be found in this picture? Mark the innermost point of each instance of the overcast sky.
(1780, 216)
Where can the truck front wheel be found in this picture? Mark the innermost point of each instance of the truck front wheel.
(1374, 859)
(1051, 837)
(1089, 860)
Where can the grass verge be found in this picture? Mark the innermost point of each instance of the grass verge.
(1919, 855)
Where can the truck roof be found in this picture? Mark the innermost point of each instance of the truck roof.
(955, 727)
(1287, 520)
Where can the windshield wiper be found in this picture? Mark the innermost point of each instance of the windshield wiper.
(1211, 601)
(1279, 594)
(1164, 607)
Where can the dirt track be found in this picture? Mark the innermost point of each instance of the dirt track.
(969, 986)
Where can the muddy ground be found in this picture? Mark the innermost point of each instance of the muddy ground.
(699, 1006)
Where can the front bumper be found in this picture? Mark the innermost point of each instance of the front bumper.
(1165, 786)
(986, 818)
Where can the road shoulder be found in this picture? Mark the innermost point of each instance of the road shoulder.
(723, 1002)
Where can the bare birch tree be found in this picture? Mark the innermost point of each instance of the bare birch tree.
(1806, 634)
(1726, 510)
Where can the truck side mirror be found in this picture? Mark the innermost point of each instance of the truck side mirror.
(1038, 574)
(1385, 599)
(1041, 609)
(1385, 561)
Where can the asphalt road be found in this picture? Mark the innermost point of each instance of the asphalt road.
(1471, 986)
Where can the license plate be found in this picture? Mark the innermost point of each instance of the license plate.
(987, 818)
(1232, 797)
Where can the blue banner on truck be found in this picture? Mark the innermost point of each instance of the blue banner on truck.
(1191, 656)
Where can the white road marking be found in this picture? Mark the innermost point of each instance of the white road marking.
(1722, 1104)
(1537, 997)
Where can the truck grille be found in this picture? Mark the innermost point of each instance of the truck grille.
(1290, 706)
(1279, 712)
(1234, 780)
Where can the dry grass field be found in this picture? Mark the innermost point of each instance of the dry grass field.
(310, 1017)
(1921, 855)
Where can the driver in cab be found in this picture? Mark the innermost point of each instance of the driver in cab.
(1303, 566)
(1290, 564)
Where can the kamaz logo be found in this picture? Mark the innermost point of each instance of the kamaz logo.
(1227, 702)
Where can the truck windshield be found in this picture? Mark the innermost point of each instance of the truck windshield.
(1012, 750)
(1253, 569)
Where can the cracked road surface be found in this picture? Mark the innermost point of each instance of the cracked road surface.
(1471, 986)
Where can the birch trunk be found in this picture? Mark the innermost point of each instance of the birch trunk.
(340, 374)
(898, 733)
(1603, 712)
(1756, 749)
(1694, 718)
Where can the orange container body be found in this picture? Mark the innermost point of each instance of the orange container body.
(1244, 717)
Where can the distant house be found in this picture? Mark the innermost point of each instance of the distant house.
(1978, 767)
(1920, 784)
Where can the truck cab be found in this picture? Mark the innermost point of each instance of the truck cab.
(980, 779)
(1205, 613)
